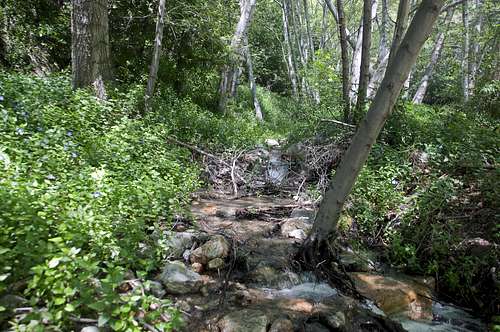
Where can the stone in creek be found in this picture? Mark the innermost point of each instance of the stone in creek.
(281, 325)
(216, 247)
(216, 264)
(246, 320)
(295, 228)
(178, 279)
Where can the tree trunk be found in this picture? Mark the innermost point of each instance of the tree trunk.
(335, 15)
(330, 208)
(383, 49)
(155, 62)
(401, 21)
(230, 72)
(90, 53)
(364, 77)
(251, 80)
(356, 57)
(290, 63)
(465, 51)
(345, 60)
(436, 52)
(475, 61)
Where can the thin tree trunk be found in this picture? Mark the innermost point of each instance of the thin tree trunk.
(251, 80)
(436, 52)
(465, 51)
(90, 52)
(325, 224)
(345, 60)
(356, 57)
(324, 28)
(335, 15)
(228, 84)
(401, 21)
(383, 28)
(475, 61)
(290, 63)
(155, 62)
(364, 77)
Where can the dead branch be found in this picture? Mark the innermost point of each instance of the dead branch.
(339, 123)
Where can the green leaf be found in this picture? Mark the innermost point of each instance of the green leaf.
(69, 307)
(54, 262)
(103, 319)
(4, 276)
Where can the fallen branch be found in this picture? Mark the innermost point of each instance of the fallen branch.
(339, 123)
(196, 149)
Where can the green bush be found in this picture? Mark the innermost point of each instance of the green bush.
(85, 193)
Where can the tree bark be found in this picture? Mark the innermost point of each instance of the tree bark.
(90, 52)
(251, 80)
(401, 21)
(330, 208)
(230, 72)
(465, 51)
(335, 15)
(155, 62)
(290, 63)
(475, 48)
(364, 77)
(345, 60)
(383, 49)
(436, 52)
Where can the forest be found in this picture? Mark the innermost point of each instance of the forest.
(250, 165)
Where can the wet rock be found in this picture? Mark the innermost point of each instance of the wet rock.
(281, 325)
(216, 264)
(246, 320)
(264, 275)
(316, 327)
(216, 247)
(301, 213)
(155, 288)
(295, 228)
(178, 279)
(396, 295)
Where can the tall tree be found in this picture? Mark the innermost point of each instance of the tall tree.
(290, 61)
(90, 52)
(345, 59)
(325, 224)
(251, 80)
(436, 52)
(399, 31)
(153, 70)
(364, 76)
(465, 51)
(232, 70)
(383, 30)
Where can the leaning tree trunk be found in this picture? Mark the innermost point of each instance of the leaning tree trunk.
(345, 59)
(465, 51)
(436, 52)
(364, 77)
(251, 80)
(325, 224)
(155, 62)
(90, 53)
(230, 72)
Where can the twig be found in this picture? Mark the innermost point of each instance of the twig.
(339, 123)
(83, 320)
(148, 327)
(200, 151)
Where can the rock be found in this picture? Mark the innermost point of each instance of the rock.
(178, 279)
(246, 320)
(178, 242)
(216, 264)
(272, 142)
(396, 295)
(316, 327)
(295, 228)
(300, 213)
(356, 262)
(336, 320)
(216, 247)
(264, 275)
(90, 329)
(155, 288)
(197, 267)
(282, 325)
(298, 234)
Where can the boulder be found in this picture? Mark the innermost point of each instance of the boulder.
(356, 261)
(178, 242)
(302, 213)
(197, 267)
(246, 320)
(336, 320)
(216, 247)
(155, 288)
(178, 279)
